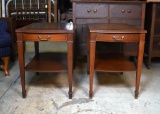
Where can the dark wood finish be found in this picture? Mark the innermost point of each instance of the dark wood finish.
(152, 47)
(46, 62)
(113, 63)
(107, 11)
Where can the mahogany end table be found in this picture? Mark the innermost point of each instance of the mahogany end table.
(46, 62)
(103, 62)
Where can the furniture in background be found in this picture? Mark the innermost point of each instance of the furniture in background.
(46, 62)
(30, 11)
(11, 24)
(103, 62)
(107, 11)
(65, 11)
(152, 24)
(5, 46)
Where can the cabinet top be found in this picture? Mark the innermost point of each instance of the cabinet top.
(153, 0)
(127, 1)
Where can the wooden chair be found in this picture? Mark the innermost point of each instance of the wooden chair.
(5, 46)
(11, 26)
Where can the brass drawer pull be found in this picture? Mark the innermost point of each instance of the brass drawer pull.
(40, 38)
(114, 37)
(123, 37)
(95, 10)
(123, 11)
(88, 10)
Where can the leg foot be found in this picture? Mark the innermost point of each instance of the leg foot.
(136, 95)
(24, 94)
(90, 94)
(37, 73)
(148, 66)
(88, 72)
(70, 94)
(5, 66)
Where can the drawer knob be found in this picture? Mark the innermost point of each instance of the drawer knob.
(95, 10)
(45, 39)
(122, 38)
(129, 11)
(123, 11)
(88, 10)
(114, 37)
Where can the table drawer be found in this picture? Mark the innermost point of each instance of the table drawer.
(91, 10)
(44, 37)
(118, 37)
(125, 11)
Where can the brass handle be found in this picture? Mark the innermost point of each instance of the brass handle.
(40, 38)
(95, 10)
(114, 37)
(129, 11)
(123, 37)
(88, 10)
(123, 11)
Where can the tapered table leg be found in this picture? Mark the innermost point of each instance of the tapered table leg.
(91, 66)
(139, 64)
(20, 45)
(70, 63)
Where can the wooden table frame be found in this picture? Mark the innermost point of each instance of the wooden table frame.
(114, 33)
(48, 32)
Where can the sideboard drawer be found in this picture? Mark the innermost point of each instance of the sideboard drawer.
(156, 44)
(84, 21)
(91, 10)
(118, 37)
(135, 22)
(157, 27)
(125, 11)
(44, 37)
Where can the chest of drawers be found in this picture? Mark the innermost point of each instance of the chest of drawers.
(103, 11)
(152, 45)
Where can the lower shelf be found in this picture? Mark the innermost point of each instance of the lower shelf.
(113, 63)
(48, 62)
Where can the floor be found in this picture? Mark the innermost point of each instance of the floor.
(47, 93)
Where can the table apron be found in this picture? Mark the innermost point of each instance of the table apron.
(118, 37)
(44, 37)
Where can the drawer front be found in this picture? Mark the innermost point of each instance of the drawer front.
(118, 37)
(44, 37)
(125, 11)
(131, 22)
(157, 27)
(84, 21)
(89, 10)
(156, 44)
